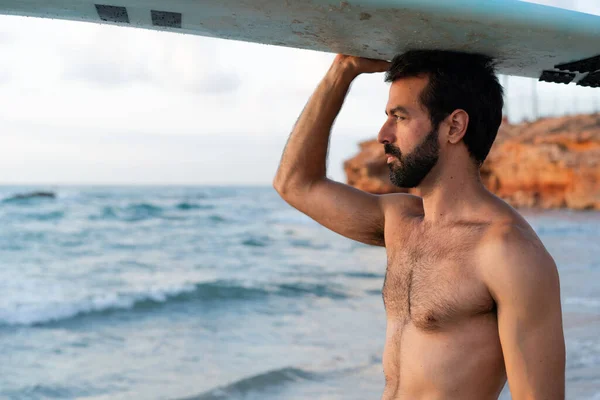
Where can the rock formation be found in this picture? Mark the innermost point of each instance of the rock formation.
(549, 163)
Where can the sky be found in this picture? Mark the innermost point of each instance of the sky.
(85, 103)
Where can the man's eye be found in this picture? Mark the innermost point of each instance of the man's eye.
(400, 118)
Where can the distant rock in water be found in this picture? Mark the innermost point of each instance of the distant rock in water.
(549, 163)
(32, 195)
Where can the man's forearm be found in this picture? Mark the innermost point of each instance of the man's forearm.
(305, 155)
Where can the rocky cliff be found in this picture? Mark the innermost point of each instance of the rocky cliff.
(549, 163)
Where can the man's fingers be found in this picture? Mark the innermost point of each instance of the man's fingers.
(380, 66)
(363, 65)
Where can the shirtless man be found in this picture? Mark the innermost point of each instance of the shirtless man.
(472, 297)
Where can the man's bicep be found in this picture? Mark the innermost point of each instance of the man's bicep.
(525, 285)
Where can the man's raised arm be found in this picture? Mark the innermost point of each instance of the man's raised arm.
(301, 179)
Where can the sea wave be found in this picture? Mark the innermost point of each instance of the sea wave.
(141, 211)
(584, 302)
(308, 244)
(254, 386)
(567, 229)
(185, 206)
(247, 386)
(131, 212)
(54, 390)
(28, 197)
(46, 216)
(37, 391)
(135, 212)
(364, 275)
(45, 312)
(257, 241)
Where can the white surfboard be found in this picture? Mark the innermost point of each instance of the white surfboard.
(529, 40)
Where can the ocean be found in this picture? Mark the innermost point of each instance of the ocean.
(221, 293)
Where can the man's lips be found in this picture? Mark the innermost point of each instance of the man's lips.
(391, 158)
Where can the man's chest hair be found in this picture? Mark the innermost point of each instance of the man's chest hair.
(431, 277)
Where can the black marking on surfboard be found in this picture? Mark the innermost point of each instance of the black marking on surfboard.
(557, 77)
(588, 65)
(112, 13)
(165, 18)
(590, 80)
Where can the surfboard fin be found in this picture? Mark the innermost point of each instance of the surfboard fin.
(587, 65)
(557, 77)
(590, 80)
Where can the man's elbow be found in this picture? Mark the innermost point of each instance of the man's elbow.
(278, 186)
(288, 189)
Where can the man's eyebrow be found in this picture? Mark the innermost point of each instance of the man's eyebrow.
(397, 109)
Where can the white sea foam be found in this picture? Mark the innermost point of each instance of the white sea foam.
(39, 307)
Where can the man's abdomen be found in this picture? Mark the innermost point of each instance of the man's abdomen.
(461, 360)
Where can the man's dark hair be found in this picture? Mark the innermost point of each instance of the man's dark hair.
(457, 81)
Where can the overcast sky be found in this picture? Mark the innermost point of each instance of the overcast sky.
(89, 103)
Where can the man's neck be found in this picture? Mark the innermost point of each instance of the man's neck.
(452, 193)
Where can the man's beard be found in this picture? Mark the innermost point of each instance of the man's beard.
(415, 166)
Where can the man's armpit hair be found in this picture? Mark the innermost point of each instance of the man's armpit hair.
(370, 231)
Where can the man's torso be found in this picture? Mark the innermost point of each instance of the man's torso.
(442, 334)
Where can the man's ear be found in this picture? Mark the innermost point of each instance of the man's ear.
(457, 122)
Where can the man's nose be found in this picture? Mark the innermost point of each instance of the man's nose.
(387, 133)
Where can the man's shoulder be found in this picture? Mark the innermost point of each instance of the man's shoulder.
(510, 237)
(511, 251)
(508, 232)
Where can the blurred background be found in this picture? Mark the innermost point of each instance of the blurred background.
(144, 254)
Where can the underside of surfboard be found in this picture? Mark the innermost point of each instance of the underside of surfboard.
(530, 40)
